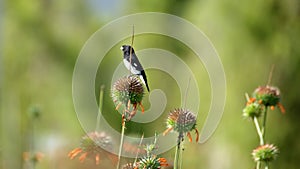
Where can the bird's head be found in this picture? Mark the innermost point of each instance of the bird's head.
(126, 49)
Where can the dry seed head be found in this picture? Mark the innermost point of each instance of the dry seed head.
(128, 88)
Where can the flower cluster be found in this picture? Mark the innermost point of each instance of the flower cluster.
(263, 97)
(128, 91)
(182, 121)
(92, 146)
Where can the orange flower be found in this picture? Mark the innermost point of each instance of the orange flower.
(90, 147)
(163, 162)
(251, 100)
(74, 153)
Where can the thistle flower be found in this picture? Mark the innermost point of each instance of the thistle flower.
(252, 110)
(91, 146)
(128, 91)
(152, 162)
(265, 153)
(268, 96)
(182, 121)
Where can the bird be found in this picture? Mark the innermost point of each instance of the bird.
(134, 66)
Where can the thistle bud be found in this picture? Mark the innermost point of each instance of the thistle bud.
(152, 162)
(128, 91)
(252, 110)
(128, 88)
(265, 153)
(268, 96)
(182, 121)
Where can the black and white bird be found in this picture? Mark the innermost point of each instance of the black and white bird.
(135, 67)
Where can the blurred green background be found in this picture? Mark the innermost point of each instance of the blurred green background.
(41, 39)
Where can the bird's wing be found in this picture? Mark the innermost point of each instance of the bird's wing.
(135, 62)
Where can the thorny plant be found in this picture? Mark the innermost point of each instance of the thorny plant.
(263, 98)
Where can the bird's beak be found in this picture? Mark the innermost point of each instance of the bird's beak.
(121, 48)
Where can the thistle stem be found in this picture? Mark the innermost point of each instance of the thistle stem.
(267, 166)
(177, 160)
(259, 132)
(138, 151)
(130, 52)
(263, 130)
(181, 152)
(121, 144)
(258, 165)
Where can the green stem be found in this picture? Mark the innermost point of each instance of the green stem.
(121, 145)
(181, 152)
(177, 160)
(259, 131)
(32, 149)
(258, 165)
(261, 138)
(263, 130)
(267, 166)
(137, 153)
(100, 107)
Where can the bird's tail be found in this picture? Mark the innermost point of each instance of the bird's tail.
(147, 87)
(144, 80)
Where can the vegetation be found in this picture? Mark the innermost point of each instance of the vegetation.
(41, 40)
